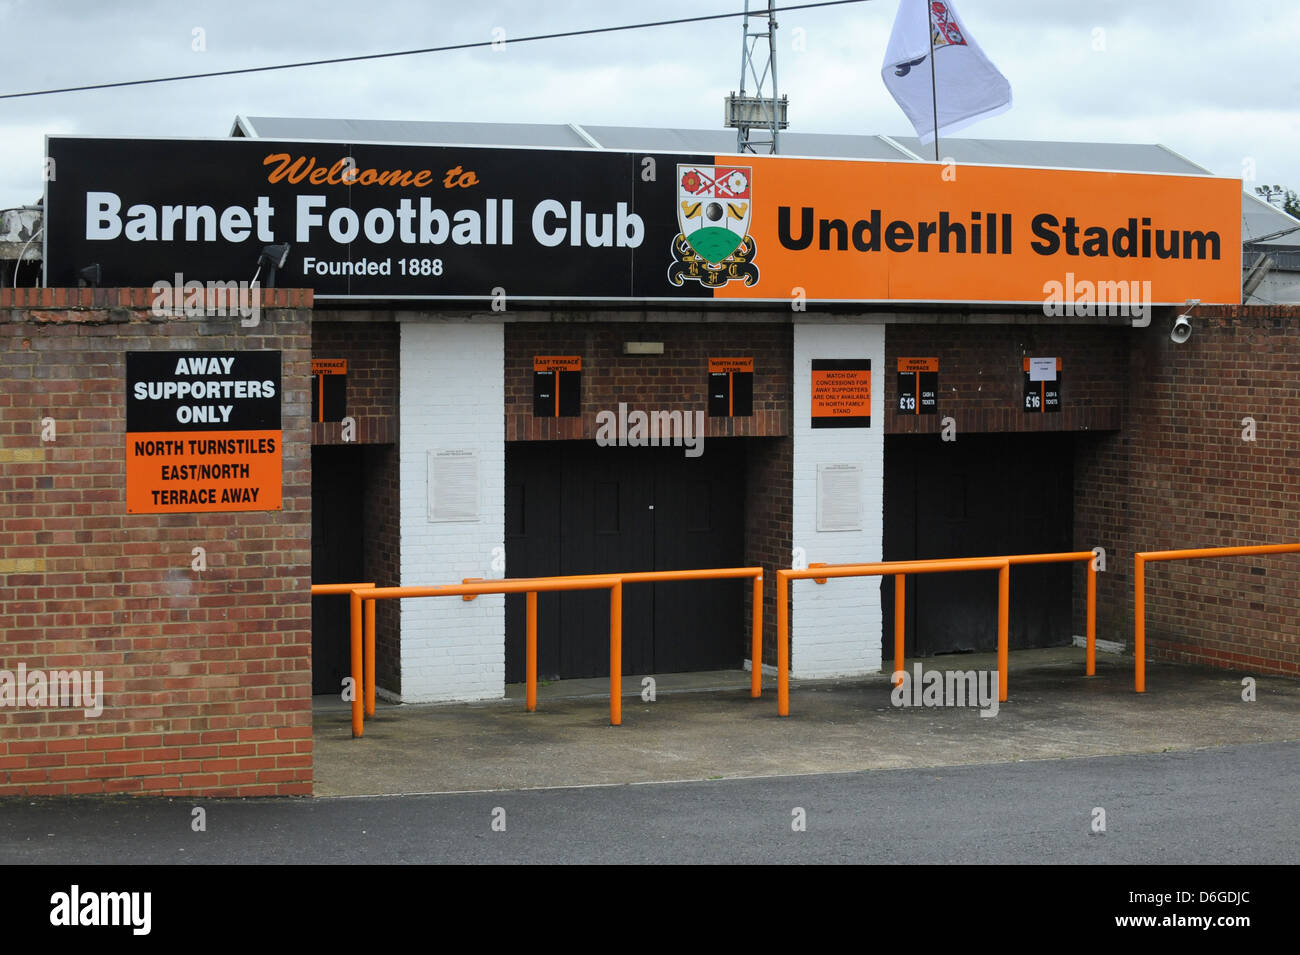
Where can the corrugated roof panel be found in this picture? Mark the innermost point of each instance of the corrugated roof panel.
(1260, 218)
(400, 131)
(835, 146)
(1128, 157)
(634, 138)
(826, 145)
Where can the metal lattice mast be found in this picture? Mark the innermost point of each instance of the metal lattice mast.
(757, 118)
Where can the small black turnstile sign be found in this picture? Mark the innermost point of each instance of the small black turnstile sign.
(731, 387)
(918, 385)
(329, 389)
(557, 386)
(1042, 385)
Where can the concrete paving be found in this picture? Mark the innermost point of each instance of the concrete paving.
(707, 727)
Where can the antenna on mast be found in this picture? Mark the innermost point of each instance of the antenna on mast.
(757, 119)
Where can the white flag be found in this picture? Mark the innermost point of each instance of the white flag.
(969, 87)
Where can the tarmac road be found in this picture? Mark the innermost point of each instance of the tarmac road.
(1237, 804)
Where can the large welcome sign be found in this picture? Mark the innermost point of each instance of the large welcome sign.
(477, 224)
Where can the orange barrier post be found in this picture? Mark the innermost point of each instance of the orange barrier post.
(530, 651)
(829, 571)
(756, 630)
(355, 635)
(616, 654)
(358, 682)
(370, 657)
(1004, 614)
(1140, 623)
(900, 623)
(782, 644)
(1139, 590)
(1091, 631)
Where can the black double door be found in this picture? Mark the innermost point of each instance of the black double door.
(979, 496)
(575, 507)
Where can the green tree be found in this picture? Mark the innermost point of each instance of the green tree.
(1291, 206)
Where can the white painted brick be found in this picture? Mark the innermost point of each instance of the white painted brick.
(836, 626)
(452, 396)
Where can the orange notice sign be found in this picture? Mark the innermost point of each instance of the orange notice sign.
(557, 363)
(918, 364)
(841, 393)
(329, 366)
(718, 366)
(176, 471)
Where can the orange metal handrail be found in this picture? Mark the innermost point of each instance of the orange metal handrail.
(1140, 560)
(612, 583)
(650, 577)
(359, 683)
(899, 567)
(1090, 654)
(324, 590)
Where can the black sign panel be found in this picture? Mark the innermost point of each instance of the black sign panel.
(918, 386)
(731, 387)
(329, 389)
(557, 386)
(203, 391)
(1042, 387)
(416, 221)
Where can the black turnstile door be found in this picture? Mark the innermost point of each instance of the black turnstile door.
(336, 557)
(578, 508)
(606, 524)
(978, 496)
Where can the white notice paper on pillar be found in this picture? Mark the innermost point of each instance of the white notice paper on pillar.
(839, 497)
(453, 486)
(1042, 369)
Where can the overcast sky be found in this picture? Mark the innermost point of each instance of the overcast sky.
(1219, 82)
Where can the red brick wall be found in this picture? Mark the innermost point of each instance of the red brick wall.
(981, 376)
(1180, 476)
(207, 675)
(675, 380)
(382, 535)
(371, 350)
(769, 519)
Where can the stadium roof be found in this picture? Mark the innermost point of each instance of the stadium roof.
(1258, 218)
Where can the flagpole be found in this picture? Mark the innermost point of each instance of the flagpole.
(934, 91)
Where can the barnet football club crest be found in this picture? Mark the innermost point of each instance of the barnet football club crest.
(714, 209)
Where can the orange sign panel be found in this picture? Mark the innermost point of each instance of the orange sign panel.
(557, 363)
(718, 366)
(841, 393)
(918, 364)
(844, 230)
(174, 471)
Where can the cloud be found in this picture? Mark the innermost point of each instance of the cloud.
(1214, 81)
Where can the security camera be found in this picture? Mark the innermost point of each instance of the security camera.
(1182, 329)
